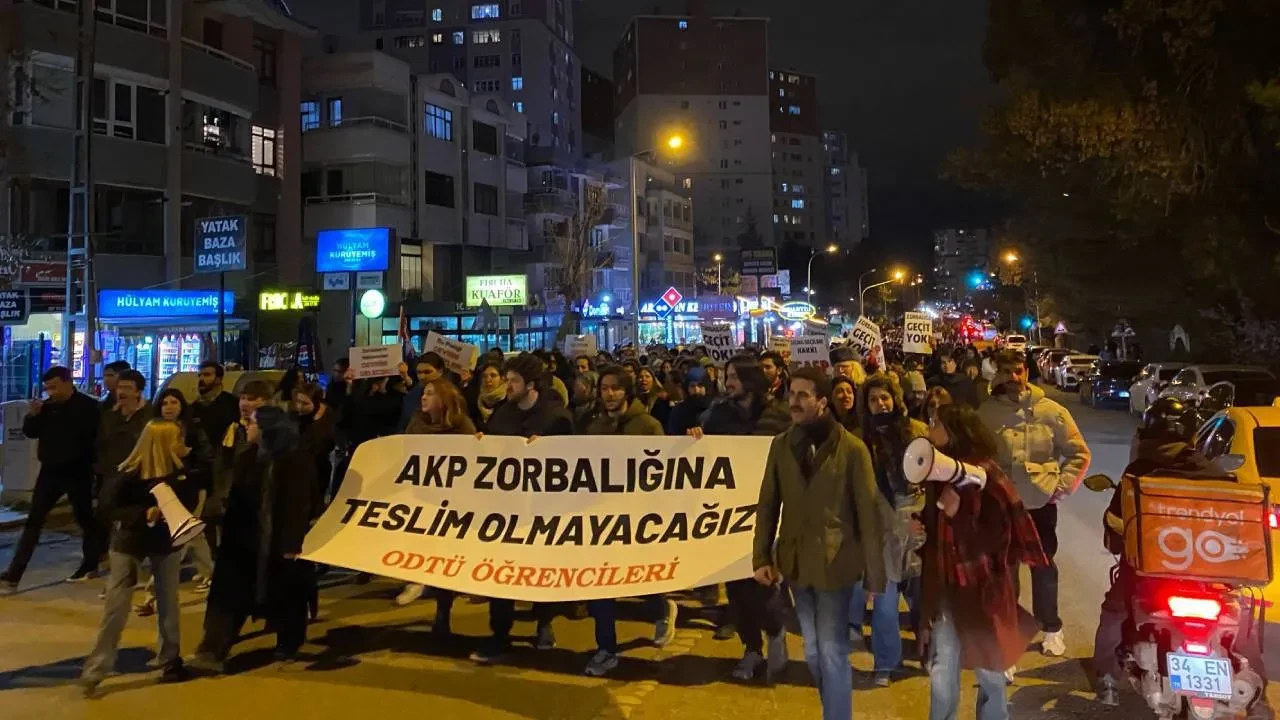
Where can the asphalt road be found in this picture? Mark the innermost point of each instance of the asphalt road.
(366, 656)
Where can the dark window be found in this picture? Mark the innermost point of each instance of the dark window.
(487, 61)
(212, 35)
(333, 183)
(264, 52)
(486, 199)
(264, 239)
(1266, 451)
(1219, 441)
(439, 189)
(151, 112)
(484, 138)
(311, 186)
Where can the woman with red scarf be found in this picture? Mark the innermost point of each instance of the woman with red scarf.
(975, 537)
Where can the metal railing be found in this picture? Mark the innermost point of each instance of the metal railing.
(365, 198)
(367, 121)
(215, 52)
(217, 150)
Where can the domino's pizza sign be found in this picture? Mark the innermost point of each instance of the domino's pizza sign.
(664, 305)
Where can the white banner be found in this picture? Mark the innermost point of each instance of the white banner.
(719, 341)
(554, 520)
(781, 344)
(917, 329)
(576, 345)
(458, 356)
(371, 361)
(866, 340)
(811, 351)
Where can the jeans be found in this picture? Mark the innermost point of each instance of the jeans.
(886, 632)
(944, 678)
(1044, 580)
(605, 614)
(51, 484)
(502, 616)
(824, 620)
(749, 606)
(1111, 617)
(123, 577)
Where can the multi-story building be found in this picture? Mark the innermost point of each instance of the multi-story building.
(518, 50)
(597, 114)
(960, 256)
(707, 79)
(799, 162)
(194, 109)
(844, 191)
(440, 165)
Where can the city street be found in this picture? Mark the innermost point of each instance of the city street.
(366, 655)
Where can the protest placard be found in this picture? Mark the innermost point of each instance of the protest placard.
(719, 342)
(917, 329)
(781, 344)
(555, 520)
(866, 341)
(458, 356)
(576, 345)
(371, 361)
(811, 351)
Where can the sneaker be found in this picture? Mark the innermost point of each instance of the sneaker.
(205, 663)
(494, 652)
(883, 678)
(175, 672)
(1054, 645)
(202, 587)
(89, 688)
(82, 575)
(602, 663)
(1010, 674)
(748, 665)
(546, 637)
(665, 629)
(856, 641)
(411, 592)
(102, 594)
(777, 663)
(724, 632)
(146, 608)
(1108, 693)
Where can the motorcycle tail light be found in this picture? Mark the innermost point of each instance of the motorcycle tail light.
(1273, 518)
(1194, 607)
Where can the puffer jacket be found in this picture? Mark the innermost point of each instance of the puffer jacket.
(635, 420)
(1041, 449)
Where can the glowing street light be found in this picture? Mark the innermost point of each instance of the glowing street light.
(1010, 257)
(831, 249)
(675, 142)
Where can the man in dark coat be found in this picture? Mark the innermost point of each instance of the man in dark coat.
(216, 409)
(961, 388)
(66, 426)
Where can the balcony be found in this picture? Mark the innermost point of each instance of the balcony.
(357, 210)
(373, 138)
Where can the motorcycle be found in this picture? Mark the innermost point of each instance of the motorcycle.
(1191, 648)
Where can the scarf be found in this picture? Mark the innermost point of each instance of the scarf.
(965, 540)
(489, 400)
(423, 425)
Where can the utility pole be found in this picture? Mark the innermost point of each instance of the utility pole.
(80, 207)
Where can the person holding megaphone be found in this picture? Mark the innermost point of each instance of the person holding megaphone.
(131, 500)
(976, 532)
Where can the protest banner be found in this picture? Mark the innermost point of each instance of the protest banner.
(917, 329)
(866, 341)
(576, 345)
(781, 344)
(719, 341)
(553, 520)
(372, 361)
(811, 351)
(458, 356)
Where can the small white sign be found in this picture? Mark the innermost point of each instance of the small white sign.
(917, 329)
(781, 344)
(337, 281)
(719, 342)
(866, 340)
(811, 351)
(373, 361)
(369, 280)
(457, 355)
(577, 345)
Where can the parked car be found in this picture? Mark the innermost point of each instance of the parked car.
(1108, 381)
(1016, 342)
(1071, 369)
(1252, 385)
(1049, 360)
(1146, 388)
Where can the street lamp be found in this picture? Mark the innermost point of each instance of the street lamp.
(719, 287)
(831, 249)
(1010, 258)
(674, 142)
(897, 276)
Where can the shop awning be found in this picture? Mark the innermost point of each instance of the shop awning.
(190, 324)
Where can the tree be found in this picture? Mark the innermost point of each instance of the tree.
(723, 280)
(579, 248)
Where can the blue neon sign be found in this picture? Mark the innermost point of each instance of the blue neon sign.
(365, 249)
(162, 303)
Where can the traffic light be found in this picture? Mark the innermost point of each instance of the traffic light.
(976, 279)
(1027, 322)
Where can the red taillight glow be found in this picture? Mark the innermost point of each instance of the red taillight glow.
(1197, 648)
(1273, 519)
(1199, 608)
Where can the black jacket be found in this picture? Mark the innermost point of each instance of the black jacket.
(546, 417)
(367, 415)
(214, 417)
(123, 503)
(67, 432)
(961, 388)
(685, 415)
(727, 417)
(117, 435)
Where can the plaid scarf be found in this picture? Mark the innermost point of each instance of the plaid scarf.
(982, 542)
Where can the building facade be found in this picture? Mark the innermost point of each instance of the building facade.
(706, 79)
(960, 257)
(844, 191)
(799, 162)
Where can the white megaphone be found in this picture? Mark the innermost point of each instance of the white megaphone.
(922, 462)
(183, 527)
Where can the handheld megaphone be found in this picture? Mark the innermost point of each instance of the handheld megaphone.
(923, 463)
(183, 528)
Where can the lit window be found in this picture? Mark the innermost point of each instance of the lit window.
(782, 92)
(555, 118)
(684, 24)
(437, 15)
(484, 37)
(437, 122)
(794, 110)
(335, 112)
(688, 183)
(459, 37)
(310, 115)
(486, 11)
(797, 204)
(437, 38)
(784, 187)
(517, 83)
(798, 188)
(775, 218)
(264, 150)
(835, 171)
(518, 105)
(409, 41)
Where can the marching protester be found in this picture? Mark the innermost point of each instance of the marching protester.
(118, 432)
(697, 398)
(747, 409)
(65, 426)
(254, 395)
(775, 371)
(110, 374)
(316, 428)
(584, 398)
(493, 391)
(844, 361)
(982, 388)
(583, 364)
(622, 413)
(214, 412)
(1042, 451)
(531, 411)
(138, 533)
(268, 512)
(440, 412)
(427, 368)
(975, 538)
(819, 501)
(335, 395)
(886, 430)
(650, 393)
(958, 384)
(843, 404)
(934, 399)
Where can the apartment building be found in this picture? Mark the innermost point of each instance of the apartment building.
(844, 191)
(707, 79)
(960, 255)
(799, 162)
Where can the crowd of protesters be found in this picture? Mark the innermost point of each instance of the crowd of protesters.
(839, 527)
